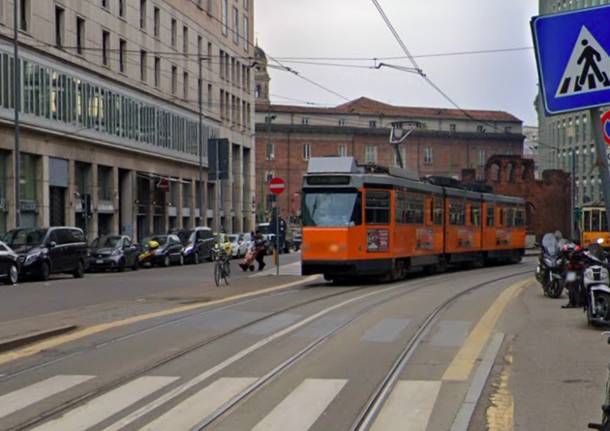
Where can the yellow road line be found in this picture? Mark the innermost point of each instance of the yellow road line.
(500, 415)
(96, 329)
(464, 361)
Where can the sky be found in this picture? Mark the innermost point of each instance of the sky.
(505, 81)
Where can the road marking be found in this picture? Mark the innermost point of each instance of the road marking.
(96, 329)
(302, 408)
(409, 406)
(464, 361)
(500, 415)
(104, 406)
(386, 330)
(271, 325)
(237, 357)
(193, 410)
(24, 397)
(451, 333)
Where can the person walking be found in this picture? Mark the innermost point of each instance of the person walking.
(260, 249)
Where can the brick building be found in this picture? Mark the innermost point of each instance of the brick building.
(548, 199)
(449, 141)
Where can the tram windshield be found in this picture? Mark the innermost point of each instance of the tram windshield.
(332, 208)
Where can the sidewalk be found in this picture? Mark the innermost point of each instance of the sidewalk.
(112, 311)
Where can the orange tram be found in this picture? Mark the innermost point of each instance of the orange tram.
(372, 221)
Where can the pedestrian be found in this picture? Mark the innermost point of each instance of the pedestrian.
(259, 249)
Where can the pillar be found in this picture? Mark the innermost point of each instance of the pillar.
(193, 202)
(127, 204)
(42, 180)
(180, 212)
(70, 197)
(116, 223)
(94, 187)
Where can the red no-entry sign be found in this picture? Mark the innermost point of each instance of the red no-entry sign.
(606, 127)
(277, 185)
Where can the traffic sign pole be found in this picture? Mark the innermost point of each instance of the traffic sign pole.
(602, 157)
(277, 187)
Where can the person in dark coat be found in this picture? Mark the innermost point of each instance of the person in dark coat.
(259, 249)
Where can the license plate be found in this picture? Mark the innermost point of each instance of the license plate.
(99, 261)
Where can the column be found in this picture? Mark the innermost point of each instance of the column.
(42, 180)
(116, 223)
(127, 204)
(193, 202)
(70, 198)
(151, 208)
(10, 194)
(94, 187)
(179, 206)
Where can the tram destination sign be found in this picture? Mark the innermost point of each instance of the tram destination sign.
(572, 52)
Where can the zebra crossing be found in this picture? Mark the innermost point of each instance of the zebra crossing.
(410, 404)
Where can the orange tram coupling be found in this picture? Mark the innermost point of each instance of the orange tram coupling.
(374, 221)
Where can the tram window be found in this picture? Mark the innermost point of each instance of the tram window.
(509, 217)
(604, 222)
(475, 214)
(519, 218)
(457, 216)
(401, 207)
(595, 221)
(323, 208)
(490, 215)
(430, 218)
(438, 211)
(377, 207)
(415, 209)
(586, 221)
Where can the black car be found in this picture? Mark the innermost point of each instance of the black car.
(169, 251)
(9, 264)
(113, 252)
(198, 243)
(45, 251)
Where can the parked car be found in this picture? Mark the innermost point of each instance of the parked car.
(244, 243)
(9, 264)
(113, 252)
(198, 243)
(169, 251)
(45, 251)
(238, 246)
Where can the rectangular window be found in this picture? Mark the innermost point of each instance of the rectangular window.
(105, 4)
(235, 25)
(210, 96)
(157, 71)
(59, 26)
(342, 150)
(490, 215)
(157, 22)
(200, 47)
(377, 207)
(105, 47)
(122, 54)
(438, 210)
(143, 14)
(174, 31)
(475, 214)
(409, 208)
(306, 151)
(305, 121)
(457, 213)
(509, 129)
(246, 33)
(143, 66)
(482, 157)
(480, 129)
(24, 15)
(210, 55)
(121, 8)
(246, 5)
(225, 17)
(185, 85)
(174, 79)
(185, 40)
(80, 35)
(452, 128)
(428, 156)
(370, 154)
(373, 124)
(270, 151)
(341, 122)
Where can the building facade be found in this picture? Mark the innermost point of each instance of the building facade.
(110, 110)
(560, 135)
(448, 142)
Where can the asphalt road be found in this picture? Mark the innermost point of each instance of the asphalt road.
(305, 358)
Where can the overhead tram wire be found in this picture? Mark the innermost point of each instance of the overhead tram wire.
(418, 70)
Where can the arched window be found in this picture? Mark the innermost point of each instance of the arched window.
(494, 172)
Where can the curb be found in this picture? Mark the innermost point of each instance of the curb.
(22, 340)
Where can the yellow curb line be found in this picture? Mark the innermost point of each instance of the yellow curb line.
(464, 361)
(96, 329)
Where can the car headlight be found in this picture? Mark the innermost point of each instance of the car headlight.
(32, 257)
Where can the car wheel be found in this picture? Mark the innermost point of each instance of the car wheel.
(13, 275)
(196, 260)
(121, 267)
(167, 261)
(181, 261)
(45, 271)
(135, 265)
(79, 272)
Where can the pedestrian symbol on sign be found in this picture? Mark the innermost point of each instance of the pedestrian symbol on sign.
(588, 68)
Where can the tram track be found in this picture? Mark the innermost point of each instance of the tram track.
(411, 285)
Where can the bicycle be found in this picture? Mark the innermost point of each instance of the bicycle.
(222, 267)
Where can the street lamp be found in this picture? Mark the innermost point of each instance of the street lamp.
(17, 95)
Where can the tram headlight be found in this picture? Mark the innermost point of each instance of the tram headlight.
(378, 240)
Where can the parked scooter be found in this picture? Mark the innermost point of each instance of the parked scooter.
(605, 423)
(573, 275)
(596, 284)
(549, 272)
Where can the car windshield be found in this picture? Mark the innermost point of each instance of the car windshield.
(332, 208)
(106, 242)
(19, 237)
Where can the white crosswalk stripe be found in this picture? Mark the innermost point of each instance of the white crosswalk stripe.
(106, 405)
(303, 406)
(409, 406)
(25, 397)
(193, 410)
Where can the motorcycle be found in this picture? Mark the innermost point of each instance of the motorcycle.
(549, 272)
(575, 265)
(605, 424)
(596, 285)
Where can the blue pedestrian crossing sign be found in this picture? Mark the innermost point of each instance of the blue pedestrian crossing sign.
(572, 51)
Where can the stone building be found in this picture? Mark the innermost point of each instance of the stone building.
(449, 141)
(548, 199)
(110, 109)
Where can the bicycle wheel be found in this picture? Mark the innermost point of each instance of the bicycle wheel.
(226, 272)
(217, 273)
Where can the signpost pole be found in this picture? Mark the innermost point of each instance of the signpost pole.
(277, 238)
(602, 158)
